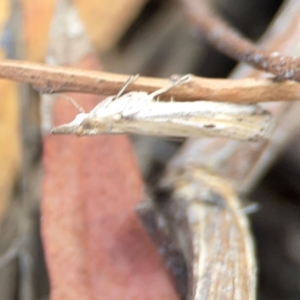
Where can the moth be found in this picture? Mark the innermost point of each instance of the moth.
(142, 113)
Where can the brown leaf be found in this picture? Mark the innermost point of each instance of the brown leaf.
(94, 243)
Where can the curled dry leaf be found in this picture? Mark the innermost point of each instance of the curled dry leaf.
(203, 212)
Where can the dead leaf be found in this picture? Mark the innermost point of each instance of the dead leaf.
(95, 245)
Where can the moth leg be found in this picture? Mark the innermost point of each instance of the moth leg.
(73, 102)
(128, 81)
(180, 80)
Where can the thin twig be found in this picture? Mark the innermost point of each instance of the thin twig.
(54, 79)
(232, 43)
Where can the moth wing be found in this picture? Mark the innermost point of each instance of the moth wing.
(247, 127)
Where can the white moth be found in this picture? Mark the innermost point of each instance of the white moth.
(141, 113)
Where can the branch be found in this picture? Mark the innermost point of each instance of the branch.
(54, 79)
(233, 44)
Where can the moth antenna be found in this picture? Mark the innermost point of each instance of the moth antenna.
(75, 104)
(127, 82)
(180, 80)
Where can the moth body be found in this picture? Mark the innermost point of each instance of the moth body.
(141, 113)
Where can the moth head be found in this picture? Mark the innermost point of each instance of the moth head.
(81, 125)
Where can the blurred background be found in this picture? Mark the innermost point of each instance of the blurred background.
(151, 38)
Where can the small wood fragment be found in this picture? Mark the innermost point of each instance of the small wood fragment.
(57, 79)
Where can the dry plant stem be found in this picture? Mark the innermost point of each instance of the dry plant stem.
(231, 42)
(53, 79)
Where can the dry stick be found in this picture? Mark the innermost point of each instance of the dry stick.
(231, 42)
(54, 79)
